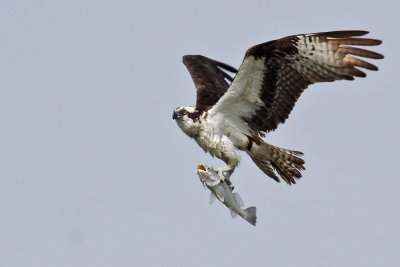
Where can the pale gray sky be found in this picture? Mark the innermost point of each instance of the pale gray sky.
(94, 172)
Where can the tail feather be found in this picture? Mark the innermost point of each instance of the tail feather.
(251, 216)
(285, 162)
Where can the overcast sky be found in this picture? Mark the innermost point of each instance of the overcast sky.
(94, 172)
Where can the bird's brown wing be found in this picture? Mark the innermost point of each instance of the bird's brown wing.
(210, 78)
(274, 74)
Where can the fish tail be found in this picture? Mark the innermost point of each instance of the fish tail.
(251, 216)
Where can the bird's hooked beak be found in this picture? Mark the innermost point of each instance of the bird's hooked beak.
(176, 115)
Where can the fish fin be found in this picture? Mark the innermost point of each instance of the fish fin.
(212, 198)
(233, 214)
(251, 216)
(238, 199)
(221, 198)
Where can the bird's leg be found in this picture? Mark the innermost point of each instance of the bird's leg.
(225, 174)
(230, 155)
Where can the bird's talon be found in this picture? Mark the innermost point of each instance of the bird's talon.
(221, 176)
(230, 184)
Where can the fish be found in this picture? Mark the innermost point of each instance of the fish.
(220, 189)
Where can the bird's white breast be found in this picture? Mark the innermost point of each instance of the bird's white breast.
(209, 139)
(219, 141)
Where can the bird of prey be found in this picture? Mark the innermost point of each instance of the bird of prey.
(233, 114)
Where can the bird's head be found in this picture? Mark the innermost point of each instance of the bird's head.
(184, 117)
(183, 113)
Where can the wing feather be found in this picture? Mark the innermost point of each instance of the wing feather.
(210, 79)
(274, 74)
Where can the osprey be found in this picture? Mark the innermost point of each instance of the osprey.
(233, 114)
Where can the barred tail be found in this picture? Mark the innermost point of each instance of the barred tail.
(271, 160)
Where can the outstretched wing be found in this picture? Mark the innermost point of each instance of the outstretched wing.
(210, 78)
(274, 74)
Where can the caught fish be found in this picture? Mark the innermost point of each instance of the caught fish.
(221, 190)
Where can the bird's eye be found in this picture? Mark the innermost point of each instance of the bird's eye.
(185, 112)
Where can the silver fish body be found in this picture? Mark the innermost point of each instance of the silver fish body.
(221, 190)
